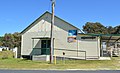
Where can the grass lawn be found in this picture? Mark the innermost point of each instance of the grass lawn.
(113, 64)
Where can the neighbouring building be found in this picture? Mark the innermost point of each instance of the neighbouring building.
(69, 41)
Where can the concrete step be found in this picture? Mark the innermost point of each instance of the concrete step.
(40, 57)
(104, 58)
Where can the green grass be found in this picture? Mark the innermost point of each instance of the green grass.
(68, 64)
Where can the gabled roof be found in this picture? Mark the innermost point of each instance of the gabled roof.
(32, 24)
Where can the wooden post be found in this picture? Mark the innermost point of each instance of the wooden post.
(55, 59)
(51, 35)
(111, 52)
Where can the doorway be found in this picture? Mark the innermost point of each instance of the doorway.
(45, 47)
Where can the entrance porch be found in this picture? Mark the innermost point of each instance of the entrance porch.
(110, 45)
(41, 48)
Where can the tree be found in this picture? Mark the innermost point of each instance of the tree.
(1, 39)
(17, 39)
(117, 31)
(1, 43)
(12, 40)
(96, 28)
(110, 29)
(8, 40)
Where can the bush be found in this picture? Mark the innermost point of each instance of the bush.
(6, 54)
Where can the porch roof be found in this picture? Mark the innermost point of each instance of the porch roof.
(106, 37)
(40, 37)
(111, 38)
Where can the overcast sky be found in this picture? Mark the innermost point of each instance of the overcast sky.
(16, 15)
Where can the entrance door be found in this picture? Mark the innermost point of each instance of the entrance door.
(45, 47)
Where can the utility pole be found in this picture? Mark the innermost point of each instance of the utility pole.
(51, 35)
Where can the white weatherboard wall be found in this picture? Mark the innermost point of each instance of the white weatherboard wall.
(41, 28)
(91, 47)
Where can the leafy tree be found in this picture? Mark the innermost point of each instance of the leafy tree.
(1, 43)
(97, 28)
(17, 39)
(1, 39)
(8, 40)
(110, 29)
(12, 40)
(117, 30)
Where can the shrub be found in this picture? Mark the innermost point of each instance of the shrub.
(6, 54)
